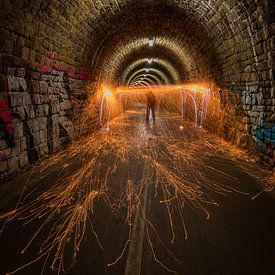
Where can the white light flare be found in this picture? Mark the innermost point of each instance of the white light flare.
(151, 41)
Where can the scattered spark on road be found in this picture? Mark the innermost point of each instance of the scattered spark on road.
(172, 164)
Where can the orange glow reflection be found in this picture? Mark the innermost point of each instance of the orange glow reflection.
(162, 88)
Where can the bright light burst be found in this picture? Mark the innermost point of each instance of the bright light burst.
(171, 158)
(107, 93)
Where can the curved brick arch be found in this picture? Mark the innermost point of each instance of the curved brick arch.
(160, 76)
(158, 63)
(114, 66)
(85, 24)
(158, 71)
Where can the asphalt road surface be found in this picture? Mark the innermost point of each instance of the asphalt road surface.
(168, 198)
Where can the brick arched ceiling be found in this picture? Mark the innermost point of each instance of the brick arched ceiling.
(168, 25)
(154, 73)
(167, 50)
(155, 77)
(158, 66)
(210, 39)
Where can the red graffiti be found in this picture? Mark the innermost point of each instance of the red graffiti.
(53, 55)
(83, 75)
(3, 156)
(45, 69)
(72, 73)
(49, 55)
(36, 99)
(5, 115)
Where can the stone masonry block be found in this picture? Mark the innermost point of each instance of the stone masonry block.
(18, 130)
(26, 99)
(23, 160)
(12, 165)
(3, 166)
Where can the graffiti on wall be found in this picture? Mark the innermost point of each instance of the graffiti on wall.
(35, 114)
(52, 59)
(6, 128)
(265, 135)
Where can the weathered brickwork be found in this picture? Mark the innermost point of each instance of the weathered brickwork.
(55, 53)
(36, 114)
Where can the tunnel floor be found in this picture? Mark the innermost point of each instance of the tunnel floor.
(140, 199)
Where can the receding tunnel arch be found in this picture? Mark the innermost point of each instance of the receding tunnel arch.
(199, 15)
(157, 74)
(158, 64)
(154, 78)
(142, 83)
(142, 77)
(203, 26)
(138, 49)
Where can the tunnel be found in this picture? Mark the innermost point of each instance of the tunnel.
(137, 136)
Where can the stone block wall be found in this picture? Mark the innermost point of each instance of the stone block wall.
(39, 113)
(247, 76)
(250, 122)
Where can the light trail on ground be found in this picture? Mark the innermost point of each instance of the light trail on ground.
(172, 164)
(198, 93)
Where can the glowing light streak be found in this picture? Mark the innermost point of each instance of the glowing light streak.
(195, 106)
(109, 108)
(161, 88)
(185, 90)
(206, 100)
(202, 109)
(68, 204)
(107, 95)
(183, 98)
(101, 111)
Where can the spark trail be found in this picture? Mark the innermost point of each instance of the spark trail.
(172, 164)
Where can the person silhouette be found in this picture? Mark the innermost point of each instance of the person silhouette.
(151, 105)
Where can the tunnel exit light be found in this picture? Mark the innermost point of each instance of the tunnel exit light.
(151, 41)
